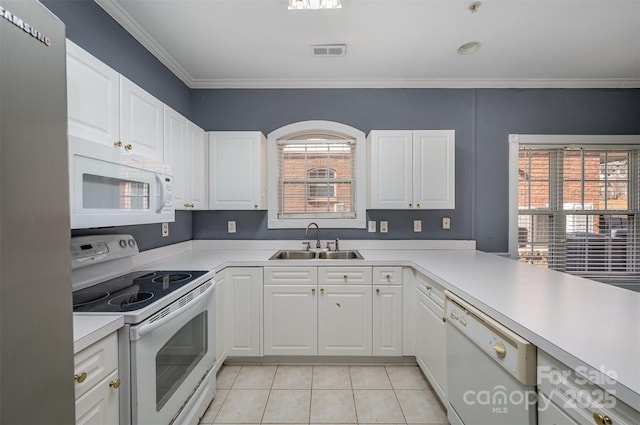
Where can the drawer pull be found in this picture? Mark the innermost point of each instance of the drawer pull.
(114, 384)
(501, 351)
(80, 378)
(601, 419)
(388, 277)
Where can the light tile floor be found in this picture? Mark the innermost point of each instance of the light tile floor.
(323, 395)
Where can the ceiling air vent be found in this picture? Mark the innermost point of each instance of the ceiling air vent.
(328, 50)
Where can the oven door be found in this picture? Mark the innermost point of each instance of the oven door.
(170, 354)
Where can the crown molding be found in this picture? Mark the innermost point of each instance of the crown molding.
(143, 37)
(608, 83)
(131, 26)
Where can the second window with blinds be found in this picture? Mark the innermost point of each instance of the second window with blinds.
(578, 205)
(320, 175)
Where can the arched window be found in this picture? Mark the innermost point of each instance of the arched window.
(319, 175)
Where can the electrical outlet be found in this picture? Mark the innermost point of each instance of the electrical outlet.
(446, 223)
(384, 226)
(417, 226)
(231, 226)
(165, 230)
(372, 226)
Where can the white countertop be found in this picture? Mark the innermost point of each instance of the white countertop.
(578, 321)
(90, 329)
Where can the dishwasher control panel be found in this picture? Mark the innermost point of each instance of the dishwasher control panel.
(511, 351)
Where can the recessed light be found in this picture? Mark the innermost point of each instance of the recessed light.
(469, 48)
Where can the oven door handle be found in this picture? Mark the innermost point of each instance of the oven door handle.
(140, 331)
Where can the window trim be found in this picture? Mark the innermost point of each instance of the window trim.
(293, 130)
(554, 141)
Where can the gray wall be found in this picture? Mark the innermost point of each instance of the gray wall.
(482, 118)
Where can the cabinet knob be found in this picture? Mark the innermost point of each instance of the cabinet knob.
(117, 144)
(377, 290)
(128, 147)
(410, 205)
(80, 378)
(429, 287)
(313, 290)
(417, 205)
(601, 419)
(388, 277)
(114, 384)
(321, 291)
(345, 277)
(255, 206)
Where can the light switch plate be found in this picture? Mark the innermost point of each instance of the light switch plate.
(417, 226)
(165, 230)
(372, 226)
(384, 226)
(446, 223)
(231, 226)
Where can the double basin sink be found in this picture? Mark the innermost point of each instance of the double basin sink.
(316, 255)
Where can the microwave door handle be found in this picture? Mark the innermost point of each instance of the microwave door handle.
(140, 331)
(163, 193)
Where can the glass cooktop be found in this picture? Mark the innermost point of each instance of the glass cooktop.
(131, 291)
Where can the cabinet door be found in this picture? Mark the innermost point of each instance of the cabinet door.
(221, 319)
(175, 154)
(290, 320)
(99, 405)
(387, 321)
(431, 350)
(196, 168)
(141, 121)
(93, 93)
(390, 169)
(344, 320)
(244, 286)
(434, 169)
(236, 170)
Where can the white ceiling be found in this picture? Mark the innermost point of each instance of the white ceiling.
(390, 43)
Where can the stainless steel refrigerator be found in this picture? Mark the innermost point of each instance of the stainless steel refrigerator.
(36, 342)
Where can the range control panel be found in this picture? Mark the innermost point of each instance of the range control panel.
(94, 249)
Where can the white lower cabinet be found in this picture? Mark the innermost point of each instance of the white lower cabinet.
(431, 347)
(387, 311)
(344, 320)
(317, 311)
(244, 302)
(97, 383)
(221, 322)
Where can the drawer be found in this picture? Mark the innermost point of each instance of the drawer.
(290, 275)
(577, 397)
(96, 361)
(387, 275)
(342, 275)
(430, 288)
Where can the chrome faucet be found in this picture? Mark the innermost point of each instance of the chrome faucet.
(306, 233)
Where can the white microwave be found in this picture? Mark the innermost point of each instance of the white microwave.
(110, 187)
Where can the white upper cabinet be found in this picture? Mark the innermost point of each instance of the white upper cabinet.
(412, 169)
(105, 107)
(196, 167)
(141, 121)
(184, 150)
(93, 97)
(237, 170)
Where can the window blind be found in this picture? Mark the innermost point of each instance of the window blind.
(579, 210)
(316, 178)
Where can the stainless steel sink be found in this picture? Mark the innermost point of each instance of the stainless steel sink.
(293, 255)
(340, 255)
(316, 255)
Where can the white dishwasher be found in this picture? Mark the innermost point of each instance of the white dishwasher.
(491, 371)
